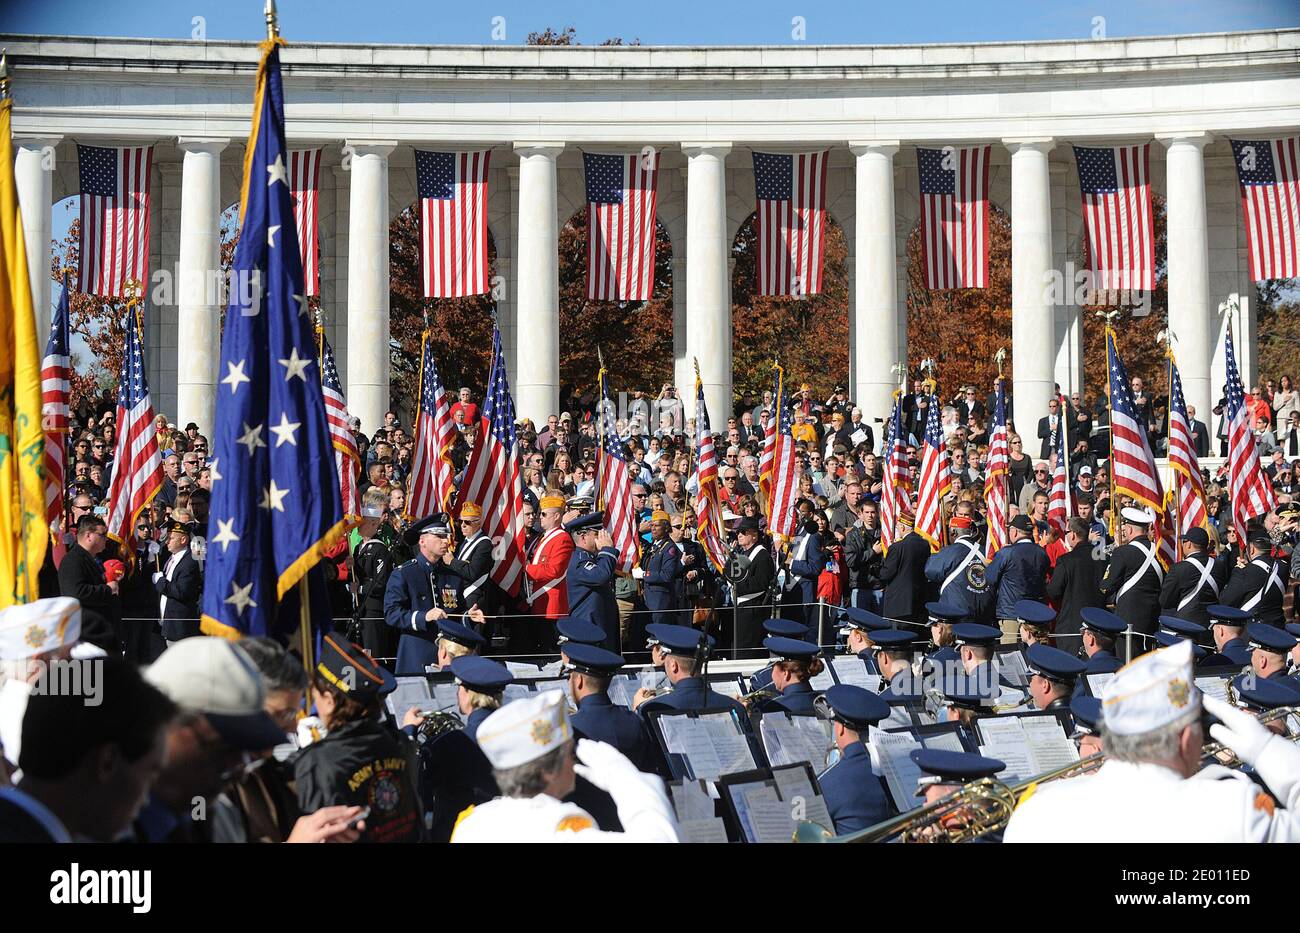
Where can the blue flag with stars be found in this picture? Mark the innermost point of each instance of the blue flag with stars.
(275, 499)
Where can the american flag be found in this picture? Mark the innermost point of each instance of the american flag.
(768, 456)
(614, 485)
(1188, 486)
(996, 475)
(346, 455)
(1060, 498)
(56, 376)
(492, 476)
(453, 222)
(896, 490)
(785, 471)
(304, 183)
(1133, 470)
(137, 462)
(621, 197)
(791, 194)
(432, 475)
(708, 509)
(935, 481)
(114, 243)
(955, 216)
(1252, 495)
(1269, 173)
(1116, 186)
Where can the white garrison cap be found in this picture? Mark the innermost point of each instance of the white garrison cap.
(30, 629)
(525, 730)
(1151, 692)
(1137, 516)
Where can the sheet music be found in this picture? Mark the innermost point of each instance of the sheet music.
(790, 739)
(516, 692)
(654, 680)
(711, 830)
(850, 670)
(553, 669)
(1097, 683)
(444, 695)
(410, 691)
(899, 718)
(730, 745)
(622, 689)
(1004, 739)
(948, 741)
(522, 669)
(892, 751)
(1011, 665)
(823, 681)
(1215, 687)
(762, 812)
(1049, 746)
(728, 688)
(801, 797)
(691, 801)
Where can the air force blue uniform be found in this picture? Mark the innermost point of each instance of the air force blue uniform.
(590, 581)
(600, 719)
(413, 589)
(853, 793)
(663, 569)
(806, 564)
(1018, 571)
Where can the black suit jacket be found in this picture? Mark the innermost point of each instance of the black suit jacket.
(1075, 585)
(1201, 437)
(17, 825)
(903, 573)
(180, 617)
(81, 577)
(1046, 433)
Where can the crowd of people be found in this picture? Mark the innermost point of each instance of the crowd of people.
(198, 718)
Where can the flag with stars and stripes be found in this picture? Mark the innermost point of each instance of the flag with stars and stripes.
(1189, 488)
(453, 188)
(304, 183)
(275, 489)
(432, 473)
(768, 456)
(621, 196)
(1115, 184)
(1133, 468)
(614, 485)
(1060, 498)
(785, 470)
(896, 490)
(708, 507)
(790, 221)
(955, 216)
(997, 474)
(347, 458)
(935, 481)
(1252, 494)
(492, 476)
(137, 462)
(1268, 171)
(113, 248)
(56, 385)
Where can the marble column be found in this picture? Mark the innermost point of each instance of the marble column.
(708, 288)
(368, 359)
(537, 285)
(33, 173)
(1033, 343)
(875, 326)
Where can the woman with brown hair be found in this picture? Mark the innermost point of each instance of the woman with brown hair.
(798, 662)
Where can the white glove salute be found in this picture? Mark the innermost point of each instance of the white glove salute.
(643, 806)
(1275, 759)
(638, 573)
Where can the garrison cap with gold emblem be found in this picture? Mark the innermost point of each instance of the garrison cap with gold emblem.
(525, 730)
(471, 511)
(35, 628)
(551, 502)
(352, 671)
(1151, 692)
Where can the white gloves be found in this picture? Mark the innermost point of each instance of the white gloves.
(154, 548)
(642, 802)
(310, 729)
(638, 573)
(1238, 730)
(157, 576)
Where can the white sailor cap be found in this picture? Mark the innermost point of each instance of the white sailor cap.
(1151, 692)
(1137, 516)
(30, 629)
(525, 730)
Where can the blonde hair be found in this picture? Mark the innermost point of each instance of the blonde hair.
(483, 700)
(454, 649)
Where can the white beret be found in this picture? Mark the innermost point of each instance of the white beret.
(29, 629)
(1137, 516)
(525, 730)
(1151, 692)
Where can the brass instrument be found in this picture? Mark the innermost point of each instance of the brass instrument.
(755, 698)
(437, 723)
(1214, 749)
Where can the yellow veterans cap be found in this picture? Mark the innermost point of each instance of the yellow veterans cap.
(551, 502)
(471, 510)
(660, 516)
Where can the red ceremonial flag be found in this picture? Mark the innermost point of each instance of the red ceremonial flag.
(614, 485)
(432, 474)
(347, 458)
(1189, 488)
(1252, 494)
(935, 481)
(708, 508)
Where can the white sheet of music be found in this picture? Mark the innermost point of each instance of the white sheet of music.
(1049, 746)
(711, 830)
(516, 692)
(1097, 682)
(947, 741)
(764, 817)
(728, 688)
(803, 800)
(410, 692)
(1004, 739)
(850, 670)
(790, 739)
(891, 751)
(823, 681)
(1011, 665)
(899, 718)
(691, 801)
(444, 695)
(1215, 687)
(729, 743)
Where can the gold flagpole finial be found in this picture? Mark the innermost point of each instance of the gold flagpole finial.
(696, 360)
(272, 22)
(4, 74)
(1000, 357)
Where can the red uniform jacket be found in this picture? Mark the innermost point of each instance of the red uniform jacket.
(547, 566)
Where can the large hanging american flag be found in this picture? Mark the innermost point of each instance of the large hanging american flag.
(1133, 468)
(432, 474)
(621, 198)
(935, 481)
(114, 241)
(347, 458)
(791, 217)
(708, 508)
(492, 476)
(896, 490)
(304, 183)
(276, 506)
(1252, 495)
(453, 222)
(998, 472)
(56, 384)
(785, 470)
(137, 462)
(1189, 489)
(1060, 498)
(614, 484)
(1269, 173)
(955, 216)
(1116, 187)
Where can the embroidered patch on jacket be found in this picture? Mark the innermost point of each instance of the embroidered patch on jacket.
(573, 824)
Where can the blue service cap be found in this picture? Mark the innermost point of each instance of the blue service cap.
(793, 649)
(1229, 615)
(892, 639)
(1293, 628)
(481, 674)
(439, 523)
(943, 612)
(652, 633)
(1053, 663)
(1181, 627)
(461, 634)
(1169, 639)
(945, 767)
(1034, 612)
(866, 620)
(786, 627)
(1269, 637)
(680, 639)
(1103, 621)
(973, 633)
(1086, 712)
(1265, 693)
(579, 630)
(584, 522)
(966, 693)
(593, 659)
(855, 707)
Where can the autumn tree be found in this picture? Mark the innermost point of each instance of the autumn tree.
(97, 320)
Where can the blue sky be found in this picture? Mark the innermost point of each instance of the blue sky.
(663, 22)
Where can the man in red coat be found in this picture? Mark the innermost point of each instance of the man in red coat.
(548, 562)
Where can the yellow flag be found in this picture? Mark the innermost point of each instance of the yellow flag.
(23, 535)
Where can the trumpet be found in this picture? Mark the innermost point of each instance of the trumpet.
(1212, 750)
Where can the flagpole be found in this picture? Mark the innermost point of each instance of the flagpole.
(1175, 487)
(599, 499)
(1065, 454)
(1110, 415)
(1005, 480)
